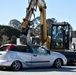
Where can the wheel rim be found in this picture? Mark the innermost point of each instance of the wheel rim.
(58, 63)
(16, 65)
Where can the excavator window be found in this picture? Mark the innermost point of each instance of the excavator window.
(61, 36)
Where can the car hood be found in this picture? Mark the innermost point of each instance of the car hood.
(57, 54)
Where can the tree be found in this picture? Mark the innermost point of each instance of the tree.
(36, 25)
(13, 39)
(1, 39)
(9, 31)
(49, 24)
(15, 23)
(5, 38)
(74, 34)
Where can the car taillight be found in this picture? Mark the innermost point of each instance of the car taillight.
(10, 47)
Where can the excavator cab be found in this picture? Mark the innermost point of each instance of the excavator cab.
(61, 35)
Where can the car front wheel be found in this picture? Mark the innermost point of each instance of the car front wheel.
(57, 63)
(16, 65)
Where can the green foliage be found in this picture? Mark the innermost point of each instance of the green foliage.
(7, 42)
(74, 34)
(9, 31)
(36, 25)
(13, 39)
(15, 23)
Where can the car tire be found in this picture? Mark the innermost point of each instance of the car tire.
(57, 63)
(16, 65)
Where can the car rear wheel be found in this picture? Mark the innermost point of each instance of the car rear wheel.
(58, 63)
(16, 65)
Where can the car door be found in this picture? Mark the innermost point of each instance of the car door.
(25, 55)
(40, 58)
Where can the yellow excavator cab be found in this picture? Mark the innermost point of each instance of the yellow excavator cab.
(61, 36)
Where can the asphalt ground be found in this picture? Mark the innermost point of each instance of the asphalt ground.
(65, 70)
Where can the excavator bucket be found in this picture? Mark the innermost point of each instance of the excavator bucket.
(25, 39)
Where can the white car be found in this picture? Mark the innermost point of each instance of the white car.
(23, 56)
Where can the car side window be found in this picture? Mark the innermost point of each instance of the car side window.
(40, 50)
(22, 49)
(3, 48)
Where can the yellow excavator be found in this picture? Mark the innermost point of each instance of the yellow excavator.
(33, 4)
(55, 43)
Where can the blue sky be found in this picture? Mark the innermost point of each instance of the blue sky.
(62, 10)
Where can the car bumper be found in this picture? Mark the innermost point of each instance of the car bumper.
(5, 63)
(4, 67)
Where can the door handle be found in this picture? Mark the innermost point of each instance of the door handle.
(35, 55)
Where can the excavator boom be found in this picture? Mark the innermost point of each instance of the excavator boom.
(33, 4)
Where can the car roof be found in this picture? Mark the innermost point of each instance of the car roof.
(12, 44)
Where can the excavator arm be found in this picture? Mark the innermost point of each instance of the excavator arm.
(26, 21)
